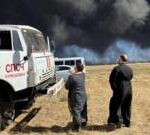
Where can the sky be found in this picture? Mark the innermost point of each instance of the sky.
(98, 30)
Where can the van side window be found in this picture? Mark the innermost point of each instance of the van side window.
(58, 62)
(16, 42)
(70, 62)
(5, 40)
(78, 61)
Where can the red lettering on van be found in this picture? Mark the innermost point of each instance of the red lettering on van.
(14, 68)
(48, 61)
(8, 68)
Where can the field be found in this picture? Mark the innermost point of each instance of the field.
(49, 116)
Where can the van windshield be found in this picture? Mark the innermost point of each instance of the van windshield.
(35, 41)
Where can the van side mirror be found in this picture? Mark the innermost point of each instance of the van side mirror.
(25, 58)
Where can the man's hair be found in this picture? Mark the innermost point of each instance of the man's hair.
(124, 57)
(79, 67)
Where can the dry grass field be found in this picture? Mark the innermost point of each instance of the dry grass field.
(53, 116)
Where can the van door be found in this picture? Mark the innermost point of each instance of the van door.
(6, 54)
(20, 66)
(12, 67)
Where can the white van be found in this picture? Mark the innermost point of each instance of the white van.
(64, 65)
(72, 61)
(26, 65)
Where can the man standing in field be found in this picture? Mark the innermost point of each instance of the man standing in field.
(120, 82)
(77, 97)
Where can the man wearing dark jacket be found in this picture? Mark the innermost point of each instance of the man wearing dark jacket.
(120, 82)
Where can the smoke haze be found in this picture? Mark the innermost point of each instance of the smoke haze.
(99, 30)
(134, 51)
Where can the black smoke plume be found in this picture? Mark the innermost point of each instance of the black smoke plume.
(99, 30)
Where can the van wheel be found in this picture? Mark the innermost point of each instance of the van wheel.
(28, 103)
(7, 115)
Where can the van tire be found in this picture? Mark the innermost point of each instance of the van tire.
(7, 114)
(27, 104)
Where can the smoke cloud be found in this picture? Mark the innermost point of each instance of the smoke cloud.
(134, 52)
(100, 28)
(89, 55)
(82, 6)
(60, 29)
(128, 13)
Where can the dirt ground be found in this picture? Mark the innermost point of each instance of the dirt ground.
(49, 116)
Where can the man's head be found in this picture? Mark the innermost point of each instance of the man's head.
(79, 67)
(123, 58)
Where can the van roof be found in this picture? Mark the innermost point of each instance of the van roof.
(12, 27)
(69, 58)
